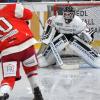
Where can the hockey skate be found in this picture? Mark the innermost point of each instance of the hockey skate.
(4, 96)
(37, 94)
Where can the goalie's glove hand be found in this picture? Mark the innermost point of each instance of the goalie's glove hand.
(86, 37)
(45, 41)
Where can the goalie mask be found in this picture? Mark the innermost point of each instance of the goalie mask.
(68, 14)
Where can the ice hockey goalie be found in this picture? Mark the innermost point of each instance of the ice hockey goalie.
(67, 30)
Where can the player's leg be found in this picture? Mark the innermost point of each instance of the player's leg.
(46, 57)
(33, 79)
(9, 69)
(30, 67)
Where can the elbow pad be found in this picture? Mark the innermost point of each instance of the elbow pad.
(19, 10)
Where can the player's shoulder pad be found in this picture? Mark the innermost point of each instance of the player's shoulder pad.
(50, 20)
(79, 21)
(79, 24)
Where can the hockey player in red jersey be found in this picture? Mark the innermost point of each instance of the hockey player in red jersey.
(16, 45)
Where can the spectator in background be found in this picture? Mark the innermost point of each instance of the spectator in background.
(5, 1)
(62, 0)
(30, 0)
(42, 0)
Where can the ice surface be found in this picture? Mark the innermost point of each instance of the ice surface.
(83, 84)
(58, 84)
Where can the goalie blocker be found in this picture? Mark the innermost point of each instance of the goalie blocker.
(83, 49)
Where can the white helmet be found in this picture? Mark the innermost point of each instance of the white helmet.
(68, 14)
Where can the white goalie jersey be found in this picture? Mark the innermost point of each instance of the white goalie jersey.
(57, 23)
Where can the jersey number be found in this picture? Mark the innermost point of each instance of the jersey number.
(5, 26)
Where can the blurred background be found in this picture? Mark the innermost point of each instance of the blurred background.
(42, 0)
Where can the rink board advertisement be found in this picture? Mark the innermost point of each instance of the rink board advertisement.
(92, 17)
(88, 12)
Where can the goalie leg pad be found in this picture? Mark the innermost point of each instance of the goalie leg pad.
(47, 57)
(42, 61)
(88, 54)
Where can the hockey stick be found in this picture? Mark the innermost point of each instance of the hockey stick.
(38, 17)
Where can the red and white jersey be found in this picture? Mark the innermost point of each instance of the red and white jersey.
(14, 30)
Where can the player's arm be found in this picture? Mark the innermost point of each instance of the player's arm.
(49, 31)
(21, 12)
(84, 32)
(87, 35)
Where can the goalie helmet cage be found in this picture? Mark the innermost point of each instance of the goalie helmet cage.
(88, 11)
